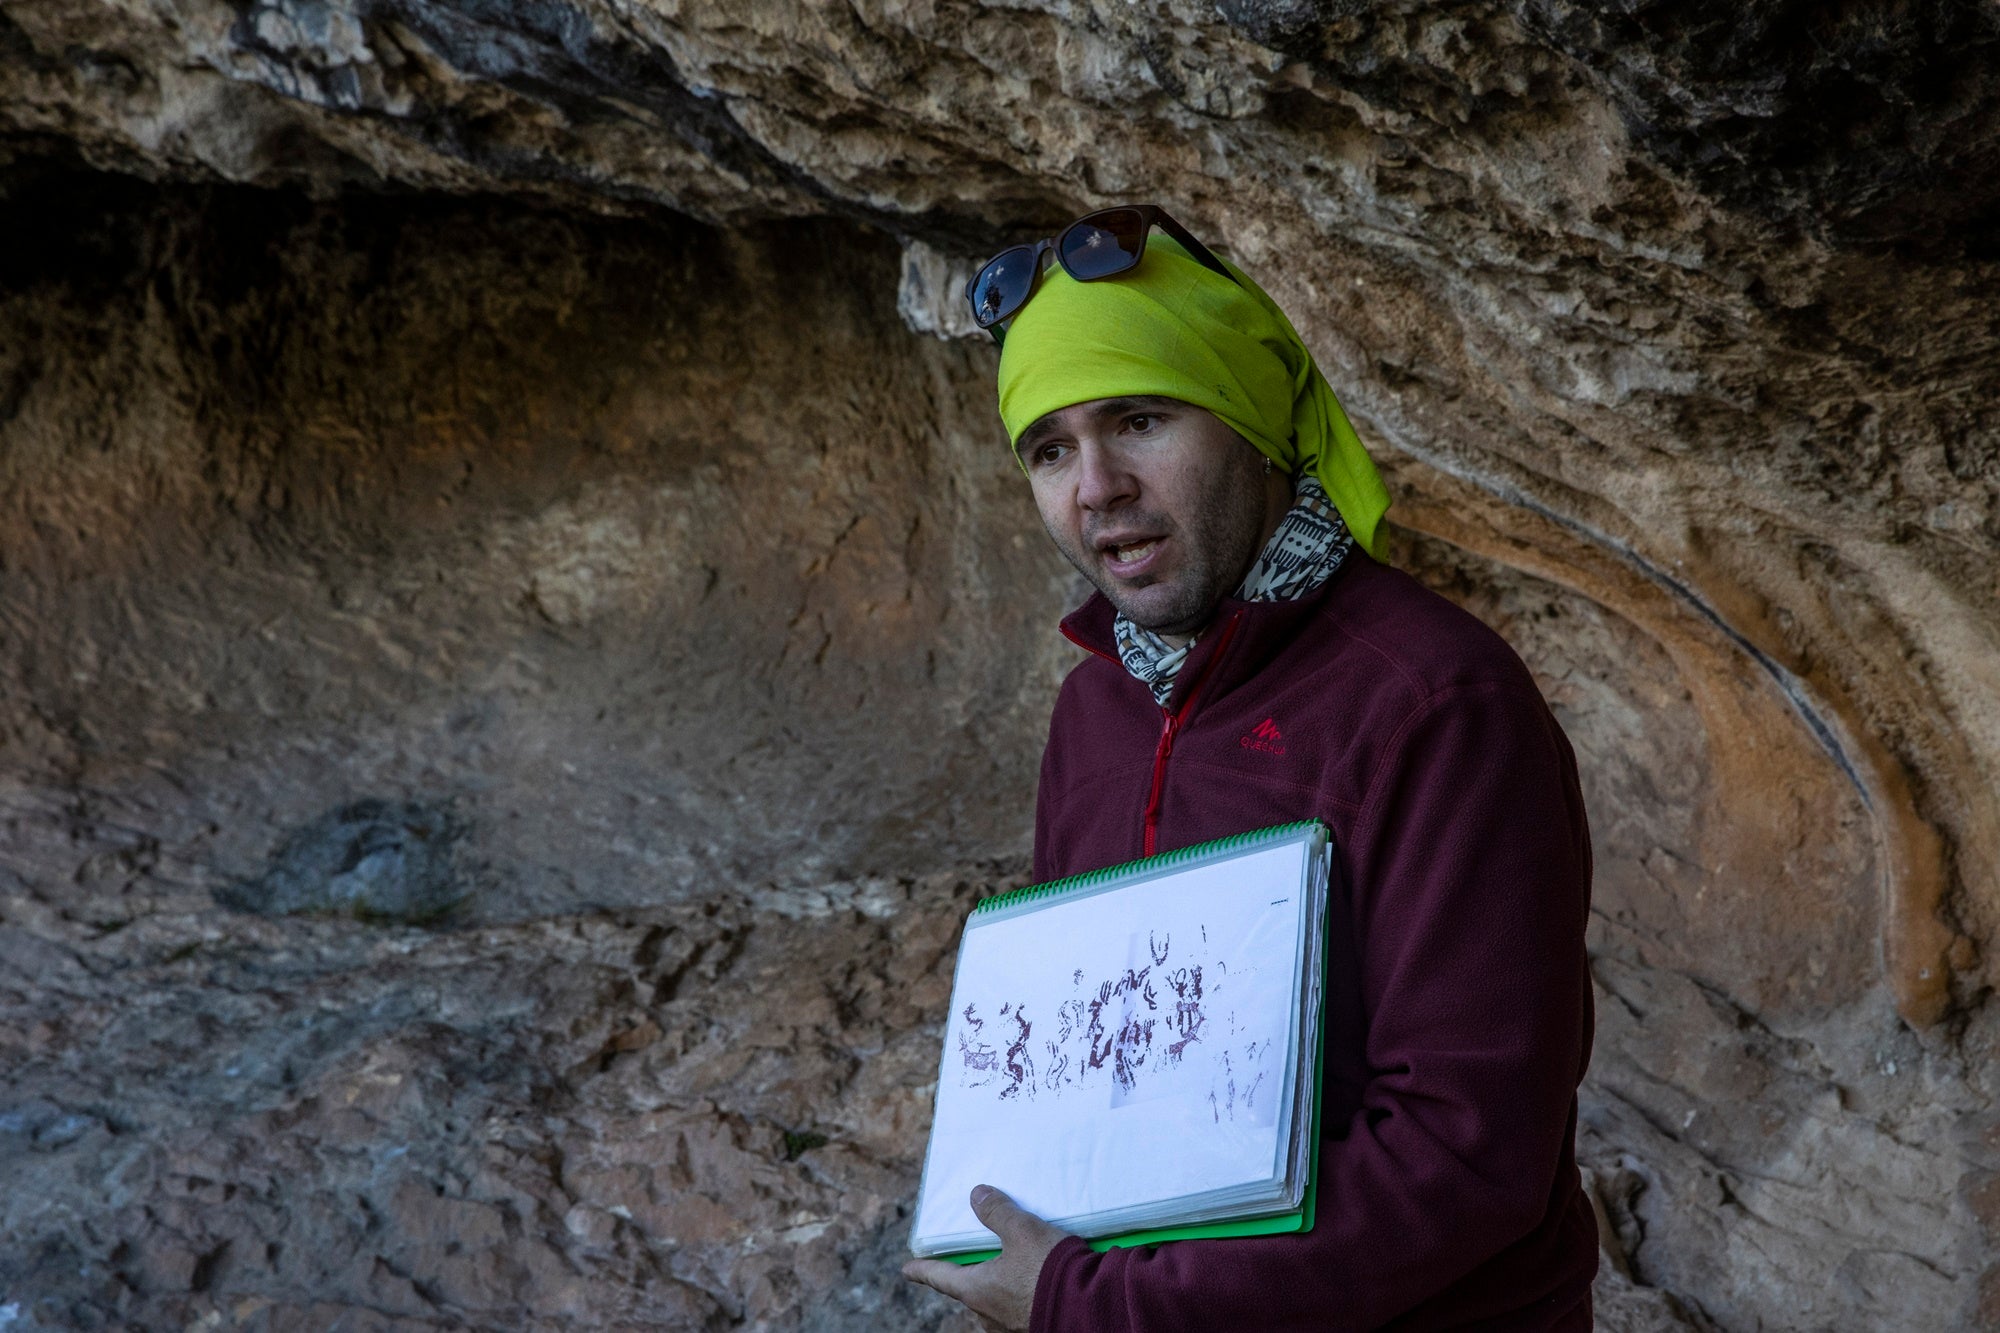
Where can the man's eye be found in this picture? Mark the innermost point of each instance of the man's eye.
(1141, 423)
(1048, 453)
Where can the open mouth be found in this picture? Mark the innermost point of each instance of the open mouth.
(1131, 553)
(1134, 558)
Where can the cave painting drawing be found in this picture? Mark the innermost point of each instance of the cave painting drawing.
(1119, 1035)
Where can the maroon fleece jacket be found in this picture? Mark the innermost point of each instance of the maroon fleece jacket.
(1459, 1012)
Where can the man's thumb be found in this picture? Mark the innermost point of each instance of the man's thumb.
(995, 1210)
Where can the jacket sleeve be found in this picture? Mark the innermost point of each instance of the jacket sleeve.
(1469, 880)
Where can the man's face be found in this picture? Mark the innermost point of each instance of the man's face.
(1155, 501)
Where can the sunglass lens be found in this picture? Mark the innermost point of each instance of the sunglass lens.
(1103, 243)
(1002, 287)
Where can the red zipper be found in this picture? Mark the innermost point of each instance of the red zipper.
(1093, 651)
(1170, 723)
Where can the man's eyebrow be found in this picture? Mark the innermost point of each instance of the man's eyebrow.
(1041, 429)
(1138, 402)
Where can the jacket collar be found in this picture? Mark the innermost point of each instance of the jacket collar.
(1249, 633)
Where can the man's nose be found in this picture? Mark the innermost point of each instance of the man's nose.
(1103, 481)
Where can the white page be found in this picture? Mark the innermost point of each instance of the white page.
(1055, 1088)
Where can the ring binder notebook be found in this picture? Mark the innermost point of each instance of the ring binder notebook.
(1134, 1053)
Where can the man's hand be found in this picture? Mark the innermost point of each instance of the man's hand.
(1002, 1290)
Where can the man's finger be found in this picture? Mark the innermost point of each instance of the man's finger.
(1013, 1224)
(951, 1279)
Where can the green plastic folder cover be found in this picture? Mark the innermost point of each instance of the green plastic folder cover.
(1282, 1224)
(1294, 1221)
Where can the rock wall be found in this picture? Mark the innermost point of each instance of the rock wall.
(670, 557)
(462, 470)
(650, 598)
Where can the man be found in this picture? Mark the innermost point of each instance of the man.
(1250, 663)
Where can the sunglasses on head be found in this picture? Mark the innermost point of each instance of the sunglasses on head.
(1097, 245)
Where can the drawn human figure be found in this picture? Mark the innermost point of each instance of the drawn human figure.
(1056, 1072)
(1188, 1017)
(1018, 1067)
(1129, 1051)
(979, 1061)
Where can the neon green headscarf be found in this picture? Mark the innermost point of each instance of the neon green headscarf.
(1176, 328)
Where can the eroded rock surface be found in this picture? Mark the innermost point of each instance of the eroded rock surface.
(684, 1118)
(657, 557)
(442, 461)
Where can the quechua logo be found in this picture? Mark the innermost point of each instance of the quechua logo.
(1264, 736)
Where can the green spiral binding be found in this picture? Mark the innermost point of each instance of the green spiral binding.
(1232, 843)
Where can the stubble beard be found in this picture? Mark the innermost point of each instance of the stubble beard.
(1217, 548)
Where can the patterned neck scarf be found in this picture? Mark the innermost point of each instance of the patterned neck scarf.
(1311, 542)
